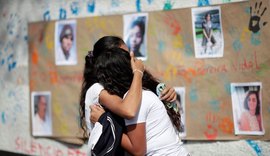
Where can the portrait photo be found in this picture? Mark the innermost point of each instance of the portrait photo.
(207, 32)
(65, 43)
(180, 100)
(135, 34)
(247, 108)
(41, 114)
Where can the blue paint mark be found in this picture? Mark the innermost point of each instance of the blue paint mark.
(3, 60)
(215, 105)
(62, 13)
(46, 16)
(269, 109)
(255, 146)
(237, 45)
(255, 38)
(74, 7)
(11, 63)
(161, 46)
(11, 24)
(227, 87)
(3, 118)
(193, 96)
(188, 50)
(138, 5)
(150, 1)
(91, 6)
(25, 38)
(203, 3)
(167, 5)
(115, 3)
(247, 10)
(11, 93)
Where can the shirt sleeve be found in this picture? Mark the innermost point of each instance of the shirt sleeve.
(141, 114)
(91, 97)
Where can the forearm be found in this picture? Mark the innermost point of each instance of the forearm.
(132, 100)
(135, 142)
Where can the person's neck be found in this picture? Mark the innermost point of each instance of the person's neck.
(252, 112)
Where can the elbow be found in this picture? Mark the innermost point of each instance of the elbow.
(129, 115)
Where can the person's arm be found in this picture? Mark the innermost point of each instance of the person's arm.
(127, 107)
(135, 139)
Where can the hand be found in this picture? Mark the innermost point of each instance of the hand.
(96, 112)
(135, 63)
(168, 94)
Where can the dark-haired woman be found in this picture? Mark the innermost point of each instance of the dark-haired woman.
(125, 108)
(250, 118)
(152, 131)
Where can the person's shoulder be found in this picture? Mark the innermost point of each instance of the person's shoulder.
(149, 95)
(93, 91)
(244, 115)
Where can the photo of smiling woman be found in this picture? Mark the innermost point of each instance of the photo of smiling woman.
(135, 30)
(247, 108)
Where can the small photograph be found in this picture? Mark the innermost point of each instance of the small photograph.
(135, 34)
(207, 32)
(180, 92)
(65, 43)
(41, 114)
(247, 108)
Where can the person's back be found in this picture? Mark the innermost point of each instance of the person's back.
(161, 136)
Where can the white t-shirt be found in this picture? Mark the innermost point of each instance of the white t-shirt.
(161, 136)
(91, 97)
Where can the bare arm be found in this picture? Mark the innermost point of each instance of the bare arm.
(135, 139)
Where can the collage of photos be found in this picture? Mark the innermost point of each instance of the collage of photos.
(207, 32)
(247, 108)
(65, 43)
(208, 43)
(135, 34)
(41, 114)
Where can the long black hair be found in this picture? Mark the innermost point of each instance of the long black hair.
(114, 72)
(89, 78)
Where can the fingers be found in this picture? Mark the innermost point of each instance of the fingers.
(131, 54)
(168, 94)
(136, 64)
(96, 108)
(96, 112)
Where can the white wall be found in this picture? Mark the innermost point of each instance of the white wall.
(14, 81)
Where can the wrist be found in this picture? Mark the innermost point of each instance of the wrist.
(138, 71)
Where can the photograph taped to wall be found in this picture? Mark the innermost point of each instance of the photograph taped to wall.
(135, 34)
(207, 32)
(65, 43)
(180, 100)
(41, 113)
(247, 108)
